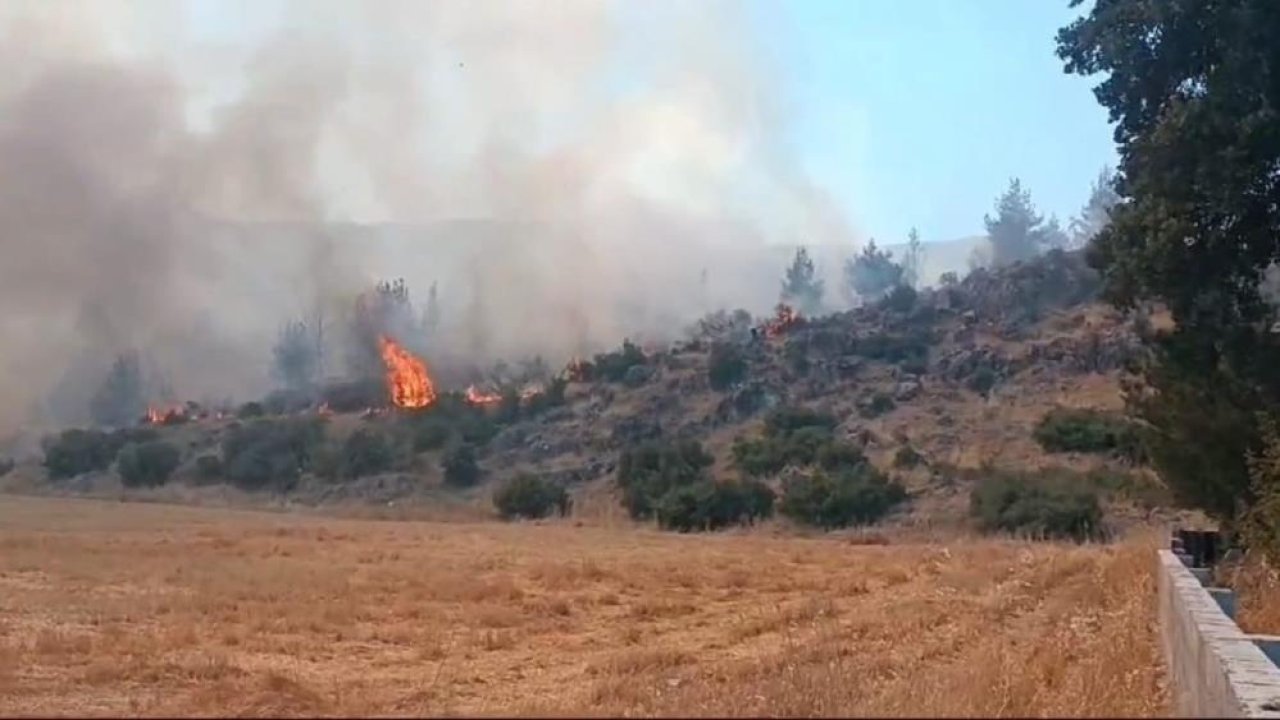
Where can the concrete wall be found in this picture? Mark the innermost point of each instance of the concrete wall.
(1215, 670)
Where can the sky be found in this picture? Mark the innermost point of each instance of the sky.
(917, 112)
(905, 112)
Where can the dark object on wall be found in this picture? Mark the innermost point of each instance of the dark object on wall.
(1200, 545)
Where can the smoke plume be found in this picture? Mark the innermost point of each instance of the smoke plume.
(182, 177)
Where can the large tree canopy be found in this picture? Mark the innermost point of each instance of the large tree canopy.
(1193, 87)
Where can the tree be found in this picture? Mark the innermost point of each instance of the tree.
(1096, 213)
(872, 273)
(1196, 116)
(913, 259)
(431, 316)
(296, 356)
(802, 287)
(120, 399)
(1016, 232)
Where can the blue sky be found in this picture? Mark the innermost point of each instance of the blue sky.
(917, 112)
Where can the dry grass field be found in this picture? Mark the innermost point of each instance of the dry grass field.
(111, 609)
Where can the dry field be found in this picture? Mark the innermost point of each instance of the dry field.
(111, 609)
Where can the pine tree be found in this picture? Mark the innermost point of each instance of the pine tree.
(1096, 213)
(1015, 231)
(801, 287)
(913, 259)
(295, 354)
(872, 274)
(120, 400)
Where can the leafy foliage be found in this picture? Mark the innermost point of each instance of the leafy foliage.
(726, 366)
(873, 273)
(1260, 524)
(801, 287)
(794, 437)
(75, 451)
(1040, 505)
(907, 457)
(1017, 231)
(649, 471)
(1096, 214)
(852, 496)
(369, 451)
(460, 466)
(270, 453)
(147, 464)
(708, 505)
(913, 260)
(529, 496)
(1196, 226)
(613, 366)
(1088, 431)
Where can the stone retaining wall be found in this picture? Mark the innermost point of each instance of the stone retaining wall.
(1215, 669)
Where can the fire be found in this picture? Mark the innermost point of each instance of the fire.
(784, 317)
(576, 370)
(165, 415)
(407, 377)
(476, 396)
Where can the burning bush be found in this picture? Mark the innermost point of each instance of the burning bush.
(649, 471)
(529, 496)
(271, 452)
(147, 464)
(1041, 505)
(709, 505)
(726, 366)
(852, 496)
(460, 466)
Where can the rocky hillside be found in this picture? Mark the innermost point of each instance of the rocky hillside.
(931, 386)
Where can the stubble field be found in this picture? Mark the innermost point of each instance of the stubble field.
(113, 608)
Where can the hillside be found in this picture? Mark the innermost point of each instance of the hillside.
(935, 388)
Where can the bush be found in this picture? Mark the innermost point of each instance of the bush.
(529, 496)
(355, 395)
(896, 349)
(449, 420)
(367, 452)
(726, 366)
(788, 419)
(901, 299)
(271, 452)
(208, 468)
(6, 466)
(982, 380)
(708, 505)
(75, 452)
(250, 410)
(1088, 431)
(795, 437)
(613, 366)
(147, 464)
(649, 471)
(906, 458)
(796, 353)
(834, 500)
(878, 404)
(1043, 505)
(460, 466)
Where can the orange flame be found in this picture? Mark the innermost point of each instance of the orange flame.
(576, 370)
(165, 415)
(476, 396)
(784, 317)
(407, 377)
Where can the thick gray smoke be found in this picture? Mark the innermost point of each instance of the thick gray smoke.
(181, 178)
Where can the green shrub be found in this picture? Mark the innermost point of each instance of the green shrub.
(650, 470)
(982, 380)
(367, 452)
(901, 299)
(894, 348)
(147, 464)
(75, 452)
(1088, 431)
(250, 410)
(450, 419)
(878, 404)
(788, 419)
(796, 353)
(708, 505)
(726, 366)
(529, 496)
(857, 496)
(6, 466)
(460, 466)
(906, 458)
(208, 468)
(1049, 505)
(271, 453)
(613, 366)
